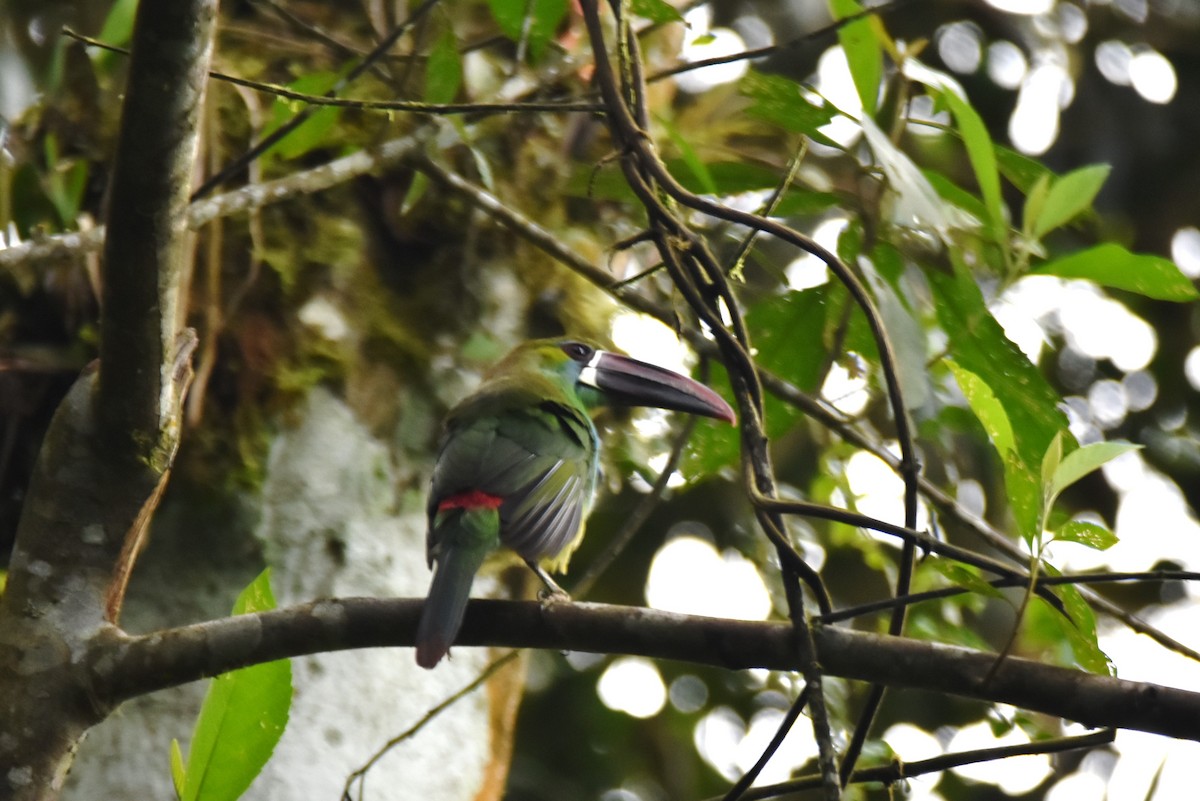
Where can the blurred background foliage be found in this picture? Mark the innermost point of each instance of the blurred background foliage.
(961, 211)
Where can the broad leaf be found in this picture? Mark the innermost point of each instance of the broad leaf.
(655, 10)
(241, 720)
(313, 131)
(1069, 196)
(788, 334)
(118, 25)
(987, 408)
(781, 102)
(1035, 201)
(1024, 497)
(443, 70)
(976, 342)
(1020, 170)
(1051, 461)
(948, 190)
(1078, 463)
(1089, 534)
(178, 771)
(1080, 630)
(687, 153)
(544, 17)
(863, 52)
(797, 201)
(980, 150)
(966, 577)
(1113, 266)
(913, 201)
(728, 177)
(905, 332)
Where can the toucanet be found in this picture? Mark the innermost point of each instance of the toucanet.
(518, 463)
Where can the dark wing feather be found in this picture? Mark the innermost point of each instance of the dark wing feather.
(540, 458)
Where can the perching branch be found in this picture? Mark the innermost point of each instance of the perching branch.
(123, 667)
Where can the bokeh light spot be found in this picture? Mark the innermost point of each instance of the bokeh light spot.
(1153, 76)
(689, 576)
(704, 43)
(960, 46)
(1185, 250)
(1006, 64)
(634, 686)
(1014, 775)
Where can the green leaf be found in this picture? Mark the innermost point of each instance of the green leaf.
(978, 142)
(966, 577)
(982, 157)
(906, 333)
(1081, 461)
(118, 25)
(241, 720)
(544, 17)
(655, 10)
(1035, 201)
(948, 190)
(987, 408)
(780, 102)
(729, 178)
(788, 332)
(1051, 461)
(804, 202)
(913, 201)
(178, 771)
(1021, 171)
(1081, 636)
(863, 52)
(1089, 534)
(1024, 497)
(313, 131)
(1069, 196)
(443, 70)
(976, 342)
(1113, 266)
(416, 191)
(688, 154)
(602, 182)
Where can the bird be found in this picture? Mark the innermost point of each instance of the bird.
(518, 462)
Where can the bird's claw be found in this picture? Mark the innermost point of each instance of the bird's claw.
(549, 597)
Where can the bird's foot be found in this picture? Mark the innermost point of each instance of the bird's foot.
(549, 597)
(551, 593)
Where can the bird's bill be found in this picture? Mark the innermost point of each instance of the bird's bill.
(627, 381)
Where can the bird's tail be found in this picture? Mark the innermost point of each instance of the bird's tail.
(464, 537)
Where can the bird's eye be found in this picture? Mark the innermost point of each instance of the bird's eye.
(578, 351)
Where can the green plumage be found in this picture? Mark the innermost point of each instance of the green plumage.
(518, 465)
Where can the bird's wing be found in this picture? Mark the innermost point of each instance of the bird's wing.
(539, 458)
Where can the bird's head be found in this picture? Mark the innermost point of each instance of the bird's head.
(604, 378)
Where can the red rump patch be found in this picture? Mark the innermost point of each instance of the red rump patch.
(471, 499)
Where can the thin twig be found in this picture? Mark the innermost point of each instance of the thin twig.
(1077, 579)
(641, 513)
(897, 771)
(770, 50)
(279, 133)
(738, 790)
(360, 774)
